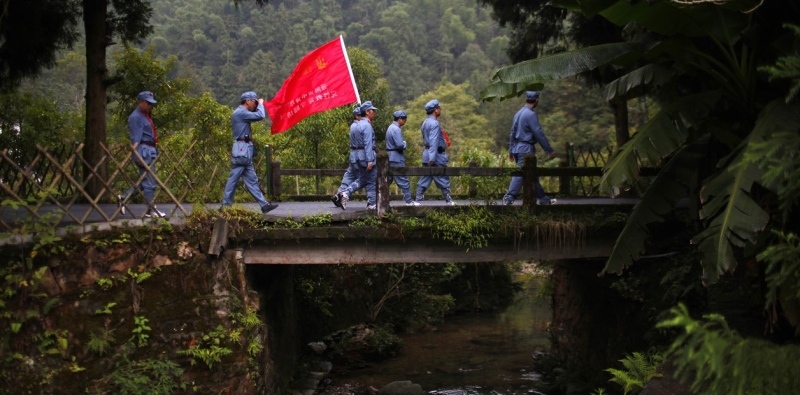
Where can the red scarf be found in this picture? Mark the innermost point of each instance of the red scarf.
(155, 135)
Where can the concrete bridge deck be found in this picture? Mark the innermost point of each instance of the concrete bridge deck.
(285, 210)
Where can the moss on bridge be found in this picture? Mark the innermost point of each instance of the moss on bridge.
(469, 226)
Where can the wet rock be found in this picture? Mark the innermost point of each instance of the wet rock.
(124, 264)
(49, 283)
(318, 347)
(185, 251)
(665, 385)
(401, 388)
(161, 260)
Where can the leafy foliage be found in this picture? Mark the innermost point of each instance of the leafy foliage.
(734, 218)
(148, 376)
(717, 360)
(782, 275)
(471, 228)
(657, 201)
(100, 341)
(210, 349)
(717, 42)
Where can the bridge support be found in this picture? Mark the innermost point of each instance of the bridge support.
(366, 251)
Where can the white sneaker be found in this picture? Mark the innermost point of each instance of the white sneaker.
(546, 202)
(413, 203)
(372, 206)
(343, 199)
(451, 203)
(155, 213)
(121, 205)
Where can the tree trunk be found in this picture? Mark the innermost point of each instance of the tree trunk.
(94, 21)
(621, 122)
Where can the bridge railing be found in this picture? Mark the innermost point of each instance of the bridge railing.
(53, 182)
(578, 175)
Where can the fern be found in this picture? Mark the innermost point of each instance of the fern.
(639, 369)
(99, 343)
(782, 275)
(51, 303)
(787, 67)
(716, 360)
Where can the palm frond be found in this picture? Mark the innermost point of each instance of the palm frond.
(669, 18)
(587, 8)
(502, 91)
(510, 81)
(659, 137)
(673, 183)
(636, 82)
(734, 218)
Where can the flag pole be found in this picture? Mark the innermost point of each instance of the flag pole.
(350, 69)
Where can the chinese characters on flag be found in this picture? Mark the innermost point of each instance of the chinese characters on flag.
(322, 80)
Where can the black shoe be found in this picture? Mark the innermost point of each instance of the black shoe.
(335, 200)
(268, 207)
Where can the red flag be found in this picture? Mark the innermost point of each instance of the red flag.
(322, 80)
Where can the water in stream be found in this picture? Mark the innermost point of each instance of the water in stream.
(483, 353)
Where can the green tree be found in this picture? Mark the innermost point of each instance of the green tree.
(26, 51)
(30, 119)
(460, 118)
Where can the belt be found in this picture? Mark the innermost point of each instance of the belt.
(356, 148)
(396, 149)
(245, 139)
(526, 142)
(150, 143)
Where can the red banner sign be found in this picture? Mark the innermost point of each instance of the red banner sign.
(322, 80)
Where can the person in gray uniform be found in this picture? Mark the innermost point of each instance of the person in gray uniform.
(525, 132)
(362, 159)
(142, 131)
(434, 153)
(251, 109)
(395, 146)
(349, 175)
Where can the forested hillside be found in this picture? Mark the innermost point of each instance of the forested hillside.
(418, 42)
(203, 51)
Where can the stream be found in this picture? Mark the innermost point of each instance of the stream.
(481, 353)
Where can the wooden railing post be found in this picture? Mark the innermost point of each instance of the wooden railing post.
(529, 174)
(268, 173)
(472, 188)
(276, 179)
(565, 182)
(383, 183)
